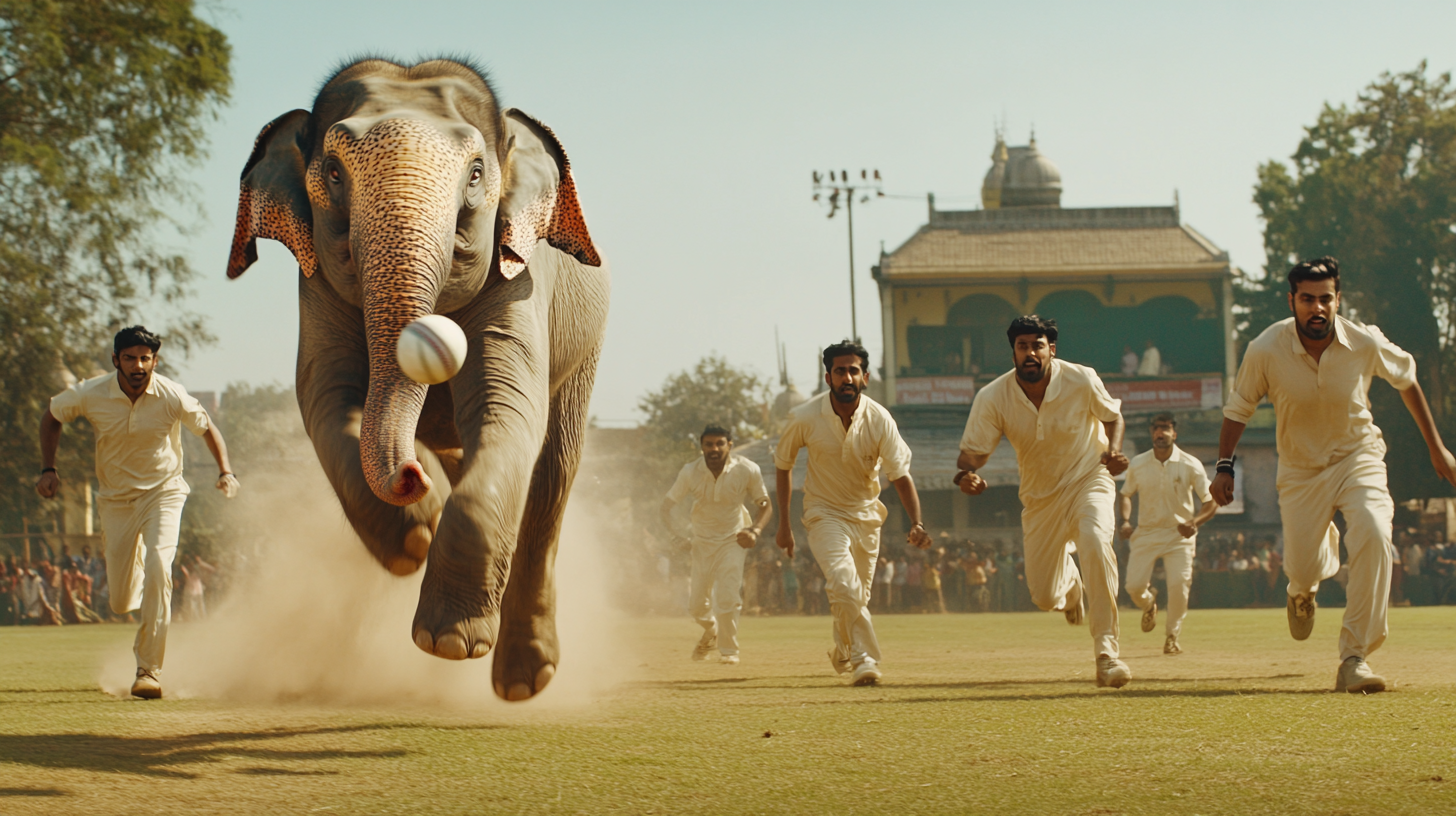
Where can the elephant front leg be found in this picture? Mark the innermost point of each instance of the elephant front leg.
(333, 376)
(529, 649)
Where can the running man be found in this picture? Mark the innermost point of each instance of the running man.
(719, 482)
(850, 438)
(1316, 367)
(1168, 479)
(1067, 432)
(138, 416)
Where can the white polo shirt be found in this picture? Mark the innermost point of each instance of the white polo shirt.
(718, 513)
(138, 444)
(1166, 489)
(844, 465)
(1058, 446)
(1322, 409)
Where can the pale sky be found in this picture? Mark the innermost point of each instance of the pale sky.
(692, 130)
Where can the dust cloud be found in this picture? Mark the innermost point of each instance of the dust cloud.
(312, 617)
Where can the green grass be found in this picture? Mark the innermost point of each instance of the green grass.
(977, 714)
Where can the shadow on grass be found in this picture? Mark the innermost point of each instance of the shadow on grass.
(809, 681)
(161, 757)
(37, 792)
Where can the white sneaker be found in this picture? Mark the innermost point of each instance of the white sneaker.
(148, 687)
(1112, 672)
(728, 660)
(1300, 610)
(840, 664)
(1150, 615)
(705, 646)
(1356, 677)
(866, 674)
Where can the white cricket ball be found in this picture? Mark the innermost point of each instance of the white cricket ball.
(431, 349)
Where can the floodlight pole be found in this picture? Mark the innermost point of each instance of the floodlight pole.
(840, 185)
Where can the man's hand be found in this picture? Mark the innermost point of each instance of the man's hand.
(1125, 531)
(1187, 530)
(228, 484)
(50, 483)
(747, 538)
(917, 537)
(969, 483)
(785, 540)
(1444, 463)
(1222, 489)
(1114, 461)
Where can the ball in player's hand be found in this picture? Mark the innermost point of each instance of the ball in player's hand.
(431, 349)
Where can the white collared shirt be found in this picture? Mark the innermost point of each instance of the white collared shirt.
(1166, 489)
(138, 444)
(844, 464)
(1322, 409)
(718, 513)
(1058, 445)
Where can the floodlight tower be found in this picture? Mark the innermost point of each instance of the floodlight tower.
(840, 187)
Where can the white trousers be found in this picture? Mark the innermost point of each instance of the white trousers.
(1177, 554)
(1079, 520)
(715, 590)
(141, 542)
(1356, 486)
(847, 551)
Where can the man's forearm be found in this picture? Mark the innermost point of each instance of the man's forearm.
(764, 514)
(218, 448)
(1114, 430)
(1205, 513)
(1420, 410)
(50, 438)
(1124, 509)
(909, 498)
(784, 494)
(1228, 438)
(971, 461)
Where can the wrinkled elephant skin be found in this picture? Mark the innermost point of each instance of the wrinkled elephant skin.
(406, 191)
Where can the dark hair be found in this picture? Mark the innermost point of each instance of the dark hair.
(844, 348)
(1032, 324)
(1322, 268)
(1164, 418)
(135, 336)
(716, 430)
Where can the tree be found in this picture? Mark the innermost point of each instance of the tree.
(712, 393)
(102, 107)
(1375, 186)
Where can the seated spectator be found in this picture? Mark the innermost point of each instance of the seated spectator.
(1237, 562)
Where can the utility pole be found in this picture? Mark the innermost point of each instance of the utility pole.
(841, 187)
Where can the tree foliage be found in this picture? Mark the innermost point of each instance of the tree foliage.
(102, 108)
(1374, 185)
(712, 393)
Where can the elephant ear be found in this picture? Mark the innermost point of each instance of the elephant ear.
(539, 199)
(273, 202)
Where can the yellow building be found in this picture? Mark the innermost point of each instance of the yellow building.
(1116, 279)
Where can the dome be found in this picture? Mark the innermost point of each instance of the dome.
(1031, 179)
(790, 399)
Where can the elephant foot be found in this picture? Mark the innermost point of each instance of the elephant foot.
(456, 618)
(416, 547)
(527, 656)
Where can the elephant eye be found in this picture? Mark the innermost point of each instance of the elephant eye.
(475, 175)
(334, 175)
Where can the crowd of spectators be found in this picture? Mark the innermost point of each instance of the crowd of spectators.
(63, 588)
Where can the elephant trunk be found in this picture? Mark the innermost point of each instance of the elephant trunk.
(404, 239)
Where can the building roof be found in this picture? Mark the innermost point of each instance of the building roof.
(1042, 241)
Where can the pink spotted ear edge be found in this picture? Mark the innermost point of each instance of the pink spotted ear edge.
(553, 213)
(272, 202)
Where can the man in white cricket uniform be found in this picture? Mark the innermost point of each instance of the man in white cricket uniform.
(1067, 432)
(850, 438)
(1166, 480)
(138, 416)
(720, 482)
(1317, 367)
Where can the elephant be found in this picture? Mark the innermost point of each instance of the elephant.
(408, 191)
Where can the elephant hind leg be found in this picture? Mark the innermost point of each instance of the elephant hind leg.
(528, 652)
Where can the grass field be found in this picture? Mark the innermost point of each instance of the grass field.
(977, 714)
